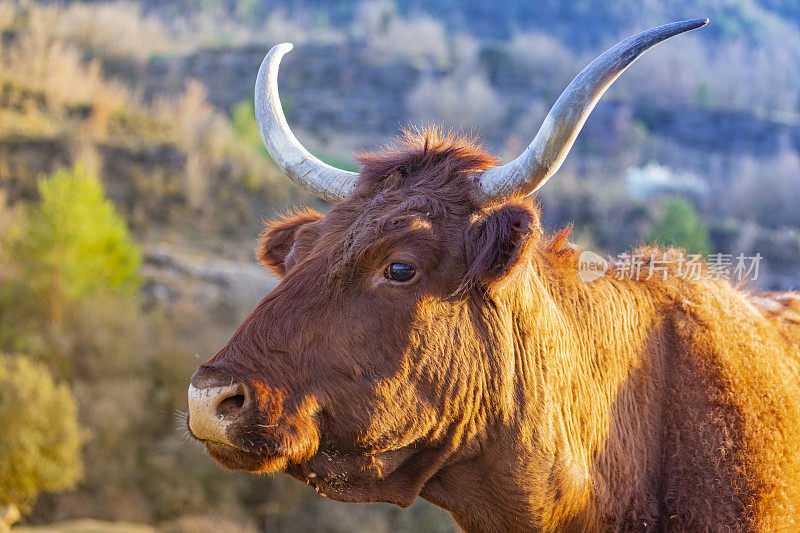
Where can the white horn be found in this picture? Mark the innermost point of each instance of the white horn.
(552, 143)
(320, 179)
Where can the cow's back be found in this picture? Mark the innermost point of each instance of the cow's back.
(732, 440)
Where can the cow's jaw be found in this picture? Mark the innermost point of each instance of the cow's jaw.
(237, 459)
(394, 476)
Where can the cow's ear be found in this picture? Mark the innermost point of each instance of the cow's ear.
(275, 248)
(498, 242)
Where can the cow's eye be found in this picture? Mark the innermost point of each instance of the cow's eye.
(401, 272)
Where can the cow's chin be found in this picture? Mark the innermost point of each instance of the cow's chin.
(394, 476)
(263, 453)
(239, 459)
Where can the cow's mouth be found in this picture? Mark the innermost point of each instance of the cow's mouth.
(248, 441)
(234, 458)
(354, 476)
(251, 426)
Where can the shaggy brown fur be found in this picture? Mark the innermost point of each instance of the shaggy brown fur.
(498, 385)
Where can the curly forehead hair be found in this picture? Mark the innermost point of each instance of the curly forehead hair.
(430, 159)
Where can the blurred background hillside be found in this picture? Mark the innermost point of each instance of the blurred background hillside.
(133, 183)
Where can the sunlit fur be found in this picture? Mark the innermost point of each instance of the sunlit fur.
(497, 384)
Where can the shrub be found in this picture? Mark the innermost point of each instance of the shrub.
(764, 189)
(458, 103)
(76, 231)
(243, 120)
(41, 439)
(74, 243)
(547, 62)
(418, 39)
(111, 28)
(680, 226)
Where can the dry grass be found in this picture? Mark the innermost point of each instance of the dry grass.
(45, 81)
(49, 90)
(87, 526)
(419, 39)
(460, 102)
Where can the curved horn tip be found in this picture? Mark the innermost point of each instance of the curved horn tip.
(278, 51)
(317, 177)
(685, 25)
(542, 158)
(281, 49)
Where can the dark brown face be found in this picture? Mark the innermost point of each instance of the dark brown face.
(356, 372)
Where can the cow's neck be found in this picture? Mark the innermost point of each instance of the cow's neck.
(584, 400)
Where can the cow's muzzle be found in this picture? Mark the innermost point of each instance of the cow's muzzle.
(213, 409)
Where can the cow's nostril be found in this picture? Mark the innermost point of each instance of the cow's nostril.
(213, 409)
(230, 407)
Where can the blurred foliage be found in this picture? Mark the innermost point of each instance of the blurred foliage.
(243, 119)
(680, 226)
(73, 243)
(40, 438)
(170, 160)
(582, 23)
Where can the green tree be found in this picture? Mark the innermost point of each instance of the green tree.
(704, 94)
(244, 123)
(40, 439)
(74, 243)
(679, 225)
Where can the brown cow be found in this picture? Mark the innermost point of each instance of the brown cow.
(427, 339)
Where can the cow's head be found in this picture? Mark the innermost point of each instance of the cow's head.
(376, 357)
